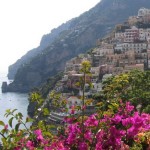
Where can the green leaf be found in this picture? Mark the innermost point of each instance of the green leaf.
(47, 134)
(4, 141)
(17, 127)
(29, 120)
(2, 123)
(4, 131)
(8, 111)
(14, 110)
(78, 84)
(45, 111)
(10, 121)
(20, 115)
(41, 125)
(110, 107)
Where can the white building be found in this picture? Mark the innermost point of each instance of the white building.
(95, 74)
(130, 35)
(137, 47)
(119, 48)
(97, 87)
(104, 51)
(119, 36)
(144, 34)
(106, 76)
(143, 12)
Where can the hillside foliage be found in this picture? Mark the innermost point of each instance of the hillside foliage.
(118, 123)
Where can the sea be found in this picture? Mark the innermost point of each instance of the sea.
(12, 100)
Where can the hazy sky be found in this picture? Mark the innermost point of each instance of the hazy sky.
(23, 22)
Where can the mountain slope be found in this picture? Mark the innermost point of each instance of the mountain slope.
(79, 36)
(45, 42)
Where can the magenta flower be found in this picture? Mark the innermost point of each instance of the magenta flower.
(84, 107)
(88, 135)
(38, 132)
(131, 132)
(6, 127)
(18, 148)
(83, 146)
(117, 119)
(115, 136)
(137, 120)
(98, 146)
(30, 145)
(69, 120)
(71, 138)
(40, 137)
(127, 122)
(110, 132)
(129, 107)
(72, 109)
(91, 121)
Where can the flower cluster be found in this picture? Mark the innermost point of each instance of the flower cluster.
(119, 130)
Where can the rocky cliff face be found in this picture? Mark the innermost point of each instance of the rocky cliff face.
(79, 36)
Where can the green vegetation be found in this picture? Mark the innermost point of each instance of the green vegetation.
(133, 86)
(50, 84)
(116, 125)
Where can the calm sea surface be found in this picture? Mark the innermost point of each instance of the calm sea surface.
(12, 100)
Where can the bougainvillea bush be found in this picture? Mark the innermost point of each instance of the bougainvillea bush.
(117, 131)
(111, 130)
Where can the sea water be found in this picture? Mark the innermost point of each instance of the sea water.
(12, 100)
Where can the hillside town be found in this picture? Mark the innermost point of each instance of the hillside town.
(125, 49)
(91, 96)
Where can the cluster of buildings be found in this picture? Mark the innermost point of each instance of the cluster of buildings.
(127, 48)
(143, 16)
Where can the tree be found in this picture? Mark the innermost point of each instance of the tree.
(133, 86)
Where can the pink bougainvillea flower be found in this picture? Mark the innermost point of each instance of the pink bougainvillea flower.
(30, 145)
(18, 148)
(88, 135)
(117, 119)
(83, 146)
(91, 121)
(38, 132)
(40, 137)
(129, 107)
(6, 127)
(72, 109)
(127, 122)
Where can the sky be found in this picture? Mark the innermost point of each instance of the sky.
(24, 22)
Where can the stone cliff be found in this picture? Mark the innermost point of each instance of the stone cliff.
(79, 36)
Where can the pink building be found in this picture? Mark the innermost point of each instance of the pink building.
(130, 35)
